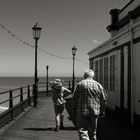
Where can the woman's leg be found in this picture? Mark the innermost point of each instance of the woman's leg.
(57, 117)
(61, 121)
(62, 116)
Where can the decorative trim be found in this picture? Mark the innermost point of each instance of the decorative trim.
(131, 15)
(136, 40)
(126, 5)
(111, 50)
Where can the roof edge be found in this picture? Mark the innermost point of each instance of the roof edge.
(126, 6)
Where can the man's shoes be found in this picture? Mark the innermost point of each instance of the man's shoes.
(61, 127)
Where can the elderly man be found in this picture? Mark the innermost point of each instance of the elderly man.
(89, 102)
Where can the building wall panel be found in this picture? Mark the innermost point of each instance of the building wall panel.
(117, 91)
(125, 77)
(137, 76)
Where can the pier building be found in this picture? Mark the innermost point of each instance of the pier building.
(116, 61)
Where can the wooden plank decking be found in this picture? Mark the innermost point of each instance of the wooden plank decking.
(37, 124)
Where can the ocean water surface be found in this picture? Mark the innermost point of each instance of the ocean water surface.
(7, 83)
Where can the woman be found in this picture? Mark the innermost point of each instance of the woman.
(58, 98)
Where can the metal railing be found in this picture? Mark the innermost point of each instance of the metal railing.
(15, 101)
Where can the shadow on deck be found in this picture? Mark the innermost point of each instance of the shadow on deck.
(112, 126)
(38, 123)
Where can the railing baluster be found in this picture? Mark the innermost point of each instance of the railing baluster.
(10, 99)
(29, 98)
(21, 94)
(11, 104)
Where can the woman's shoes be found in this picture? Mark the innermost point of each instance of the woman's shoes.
(56, 128)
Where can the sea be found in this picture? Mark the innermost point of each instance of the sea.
(7, 83)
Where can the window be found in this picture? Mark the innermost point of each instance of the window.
(96, 70)
(91, 64)
(106, 73)
(112, 72)
(101, 71)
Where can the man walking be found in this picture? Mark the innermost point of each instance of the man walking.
(89, 102)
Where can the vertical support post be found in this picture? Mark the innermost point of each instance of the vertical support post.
(122, 80)
(132, 71)
(21, 94)
(129, 81)
(11, 103)
(74, 49)
(47, 67)
(73, 77)
(29, 98)
(36, 36)
(10, 99)
(35, 95)
(36, 78)
(21, 98)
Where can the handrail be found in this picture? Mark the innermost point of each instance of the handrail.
(3, 92)
(4, 101)
(21, 98)
(16, 101)
(12, 90)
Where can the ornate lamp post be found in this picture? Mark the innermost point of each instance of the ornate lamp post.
(36, 36)
(74, 49)
(47, 67)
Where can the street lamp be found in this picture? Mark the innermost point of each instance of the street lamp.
(47, 67)
(36, 36)
(74, 49)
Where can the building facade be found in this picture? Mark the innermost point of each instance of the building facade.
(116, 62)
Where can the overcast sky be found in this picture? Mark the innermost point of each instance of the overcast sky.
(64, 23)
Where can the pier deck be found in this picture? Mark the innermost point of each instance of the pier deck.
(37, 124)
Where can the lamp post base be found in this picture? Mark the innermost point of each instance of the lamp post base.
(35, 91)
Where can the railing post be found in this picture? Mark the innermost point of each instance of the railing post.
(35, 94)
(10, 99)
(11, 104)
(21, 95)
(47, 67)
(29, 98)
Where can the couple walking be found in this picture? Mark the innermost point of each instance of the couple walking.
(89, 101)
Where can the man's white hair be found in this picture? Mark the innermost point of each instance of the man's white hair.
(89, 73)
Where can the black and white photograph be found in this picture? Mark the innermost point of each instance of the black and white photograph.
(69, 69)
